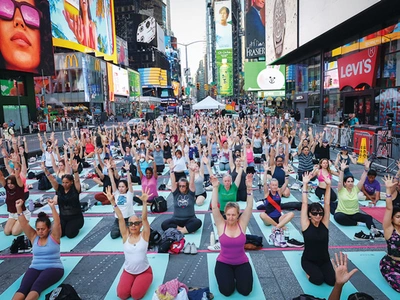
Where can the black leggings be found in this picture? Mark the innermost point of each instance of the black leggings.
(229, 276)
(179, 175)
(351, 220)
(320, 191)
(39, 280)
(70, 225)
(115, 231)
(191, 224)
(319, 272)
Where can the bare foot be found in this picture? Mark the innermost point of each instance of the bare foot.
(183, 230)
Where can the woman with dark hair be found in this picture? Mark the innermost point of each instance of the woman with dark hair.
(25, 36)
(314, 221)
(183, 191)
(124, 197)
(232, 269)
(46, 267)
(148, 180)
(390, 263)
(179, 164)
(14, 187)
(348, 210)
(68, 191)
(83, 26)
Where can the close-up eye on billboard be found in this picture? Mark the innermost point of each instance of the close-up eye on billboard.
(25, 37)
(85, 26)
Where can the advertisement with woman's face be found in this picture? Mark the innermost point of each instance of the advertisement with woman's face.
(85, 26)
(25, 36)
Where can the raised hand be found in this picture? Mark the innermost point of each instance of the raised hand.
(327, 180)
(389, 183)
(19, 203)
(367, 164)
(108, 193)
(145, 196)
(343, 165)
(249, 181)
(340, 266)
(214, 181)
(53, 202)
(74, 165)
(306, 178)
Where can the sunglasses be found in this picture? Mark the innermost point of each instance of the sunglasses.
(137, 223)
(182, 185)
(317, 213)
(30, 13)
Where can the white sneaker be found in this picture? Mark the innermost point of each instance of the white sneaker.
(216, 247)
(295, 186)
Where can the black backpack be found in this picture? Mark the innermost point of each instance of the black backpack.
(20, 244)
(159, 205)
(44, 183)
(154, 239)
(64, 291)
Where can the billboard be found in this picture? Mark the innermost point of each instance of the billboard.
(153, 77)
(259, 77)
(85, 26)
(134, 83)
(281, 16)
(26, 44)
(120, 80)
(223, 24)
(160, 39)
(122, 52)
(330, 14)
(225, 72)
(145, 28)
(255, 28)
(172, 54)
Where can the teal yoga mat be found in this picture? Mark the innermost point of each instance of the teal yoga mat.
(100, 209)
(322, 291)
(5, 241)
(158, 263)
(378, 204)
(349, 231)
(256, 294)
(371, 269)
(96, 189)
(68, 244)
(195, 237)
(69, 264)
(291, 198)
(243, 204)
(3, 210)
(206, 204)
(107, 244)
(266, 230)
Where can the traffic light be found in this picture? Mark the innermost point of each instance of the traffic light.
(183, 91)
(198, 86)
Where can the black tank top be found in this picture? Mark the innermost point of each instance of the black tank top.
(316, 240)
(279, 175)
(241, 192)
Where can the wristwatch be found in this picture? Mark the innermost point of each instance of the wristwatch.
(278, 27)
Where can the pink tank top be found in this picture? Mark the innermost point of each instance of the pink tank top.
(232, 249)
(250, 156)
(151, 184)
(321, 176)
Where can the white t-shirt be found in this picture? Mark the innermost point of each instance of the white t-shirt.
(125, 203)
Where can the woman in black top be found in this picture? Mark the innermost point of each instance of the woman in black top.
(314, 222)
(71, 216)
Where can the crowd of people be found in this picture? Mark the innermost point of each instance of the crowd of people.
(197, 152)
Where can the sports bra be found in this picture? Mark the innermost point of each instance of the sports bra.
(321, 176)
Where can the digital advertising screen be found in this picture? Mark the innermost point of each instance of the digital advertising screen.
(26, 45)
(223, 24)
(122, 52)
(255, 28)
(85, 26)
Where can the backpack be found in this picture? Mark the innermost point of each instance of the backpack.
(159, 205)
(64, 291)
(20, 244)
(155, 238)
(44, 183)
(307, 297)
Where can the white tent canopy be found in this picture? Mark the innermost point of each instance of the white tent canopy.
(208, 103)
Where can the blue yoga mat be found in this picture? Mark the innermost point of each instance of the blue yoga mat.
(100, 209)
(256, 294)
(5, 241)
(322, 291)
(69, 264)
(158, 263)
(107, 244)
(371, 269)
(291, 198)
(266, 230)
(68, 244)
(243, 204)
(96, 189)
(378, 204)
(196, 236)
(3, 210)
(349, 231)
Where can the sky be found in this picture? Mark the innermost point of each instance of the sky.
(188, 22)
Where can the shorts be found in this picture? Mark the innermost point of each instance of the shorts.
(203, 194)
(14, 216)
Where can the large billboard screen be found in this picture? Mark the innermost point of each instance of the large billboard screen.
(153, 77)
(122, 52)
(145, 28)
(121, 81)
(26, 44)
(85, 26)
(255, 28)
(259, 77)
(225, 72)
(223, 24)
(330, 14)
(134, 83)
(281, 16)
(172, 54)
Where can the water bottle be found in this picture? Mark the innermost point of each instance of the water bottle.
(372, 234)
(204, 296)
(322, 199)
(212, 238)
(31, 206)
(286, 234)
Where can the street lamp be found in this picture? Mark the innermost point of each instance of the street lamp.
(187, 67)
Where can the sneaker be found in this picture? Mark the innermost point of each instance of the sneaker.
(282, 241)
(361, 236)
(193, 249)
(379, 234)
(209, 188)
(295, 186)
(216, 247)
(294, 243)
(187, 248)
(272, 238)
(278, 238)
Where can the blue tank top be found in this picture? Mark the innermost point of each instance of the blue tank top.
(47, 256)
(270, 210)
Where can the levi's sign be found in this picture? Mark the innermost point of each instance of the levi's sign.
(358, 68)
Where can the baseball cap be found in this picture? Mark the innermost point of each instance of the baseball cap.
(344, 148)
(325, 141)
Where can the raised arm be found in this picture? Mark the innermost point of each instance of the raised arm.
(218, 219)
(246, 215)
(128, 176)
(172, 176)
(327, 202)
(239, 171)
(387, 219)
(343, 165)
(111, 175)
(146, 225)
(28, 230)
(121, 221)
(364, 174)
(77, 182)
(56, 227)
(285, 184)
(192, 186)
(304, 220)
